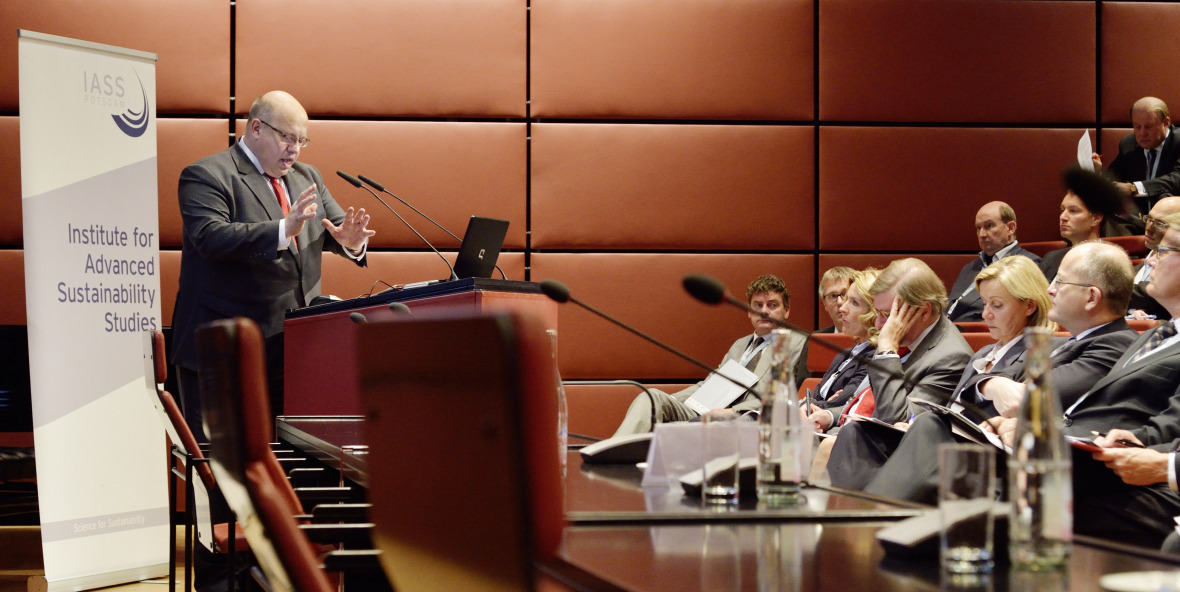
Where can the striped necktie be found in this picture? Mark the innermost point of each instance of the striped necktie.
(1161, 334)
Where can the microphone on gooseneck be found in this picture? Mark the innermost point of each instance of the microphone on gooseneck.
(357, 183)
(358, 318)
(400, 309)
(560, 293)
(382, 189)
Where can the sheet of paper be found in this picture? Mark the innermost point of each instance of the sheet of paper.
(1086, 152)
(717, 392)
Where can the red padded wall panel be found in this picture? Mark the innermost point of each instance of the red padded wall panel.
(448, 170)
(11, 224)
(375, 57)
(190, 38)
(169, 283)
(710, 59)
(1110, 142)
(635, 186)
(12, 290)
(179, 143)
(969, 60)
(946, 266)
(919, 188)
(345, 279)
(1130, 69)
(645, 290)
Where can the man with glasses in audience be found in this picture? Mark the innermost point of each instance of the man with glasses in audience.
(833, 288)
(1142, 305)
(995, 229)
(256, 222)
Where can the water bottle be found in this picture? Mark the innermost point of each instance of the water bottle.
(563, 412)
(780, 468)
(1040, 527)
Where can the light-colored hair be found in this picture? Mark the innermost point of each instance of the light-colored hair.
(1108, 267)
(835, 274)
(771, 284)
(1025, 282)
(1151, 105)
(914, 282)
(863, 282)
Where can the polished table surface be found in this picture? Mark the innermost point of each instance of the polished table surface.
(628, 537)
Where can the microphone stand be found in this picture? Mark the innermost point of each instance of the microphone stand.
(382, 189)
(357, 183)
(560, 293)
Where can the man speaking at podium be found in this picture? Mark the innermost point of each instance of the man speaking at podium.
(255, 225)
(766, 294)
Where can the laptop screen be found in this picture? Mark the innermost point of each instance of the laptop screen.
(481, 247)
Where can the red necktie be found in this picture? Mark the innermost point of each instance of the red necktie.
(281, 194)
(865, 396)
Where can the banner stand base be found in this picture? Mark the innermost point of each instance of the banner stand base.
(100, 580)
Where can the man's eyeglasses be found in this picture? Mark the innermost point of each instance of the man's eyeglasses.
(834, 297)
(1161, 251)
(288, 140)
(1159, 224)
(1057, 282)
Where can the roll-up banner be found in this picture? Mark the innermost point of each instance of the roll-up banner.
(92, 284)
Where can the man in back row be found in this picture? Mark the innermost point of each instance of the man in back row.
(767, 294)
(995, 229)
(1147, 163)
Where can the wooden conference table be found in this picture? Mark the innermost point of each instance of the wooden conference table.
(646, 539)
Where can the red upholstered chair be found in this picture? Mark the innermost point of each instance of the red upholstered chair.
(1042, 247)
(971, 326)
(220, 538)
(1142, 325)
(1135, 245)
(978, 341)
(231, 365)
(468, 495)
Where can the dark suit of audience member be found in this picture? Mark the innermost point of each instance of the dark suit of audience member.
(929, 372)
(911, 473)
(965, 302)
(863, 448)
(1051, 261)
(1131, 165)
(846, 372)
(1140, 396)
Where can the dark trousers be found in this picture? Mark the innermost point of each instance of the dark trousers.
(188, 382)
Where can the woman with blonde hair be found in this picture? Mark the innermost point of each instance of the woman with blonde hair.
(849, 368)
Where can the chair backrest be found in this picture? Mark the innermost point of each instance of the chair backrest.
(461, 424)
(1042, 247)
(236, 410)
(1135, 245)
(169, 412)
(819, 356)
(1142, 325)
(978, 341)
(971, 326)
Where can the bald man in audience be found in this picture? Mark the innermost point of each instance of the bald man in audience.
(1147, 167)
(995, 229)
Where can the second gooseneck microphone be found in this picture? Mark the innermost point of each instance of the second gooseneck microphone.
(357, 183)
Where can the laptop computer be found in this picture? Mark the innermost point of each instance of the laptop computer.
(481, 247)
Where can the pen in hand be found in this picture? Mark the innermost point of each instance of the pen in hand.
(1124, 442)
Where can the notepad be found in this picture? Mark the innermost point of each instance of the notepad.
(719, 393)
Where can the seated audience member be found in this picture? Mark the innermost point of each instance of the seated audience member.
(1146, 167)
(1092, 285)
(766, 294)
(849, 367)
(1014, 297)
(995, 228)
(832, 289)
(1089, 199)
(1137, 401)
(1143, 306)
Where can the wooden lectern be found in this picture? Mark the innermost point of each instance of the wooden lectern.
(320, 360)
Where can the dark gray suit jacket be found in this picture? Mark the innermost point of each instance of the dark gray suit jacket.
(970, 307)
(230, 261)
(930, 372)
(1131, 165)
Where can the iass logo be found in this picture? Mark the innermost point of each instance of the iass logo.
(111, 90)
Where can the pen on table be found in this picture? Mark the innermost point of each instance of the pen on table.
(1122, 441)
